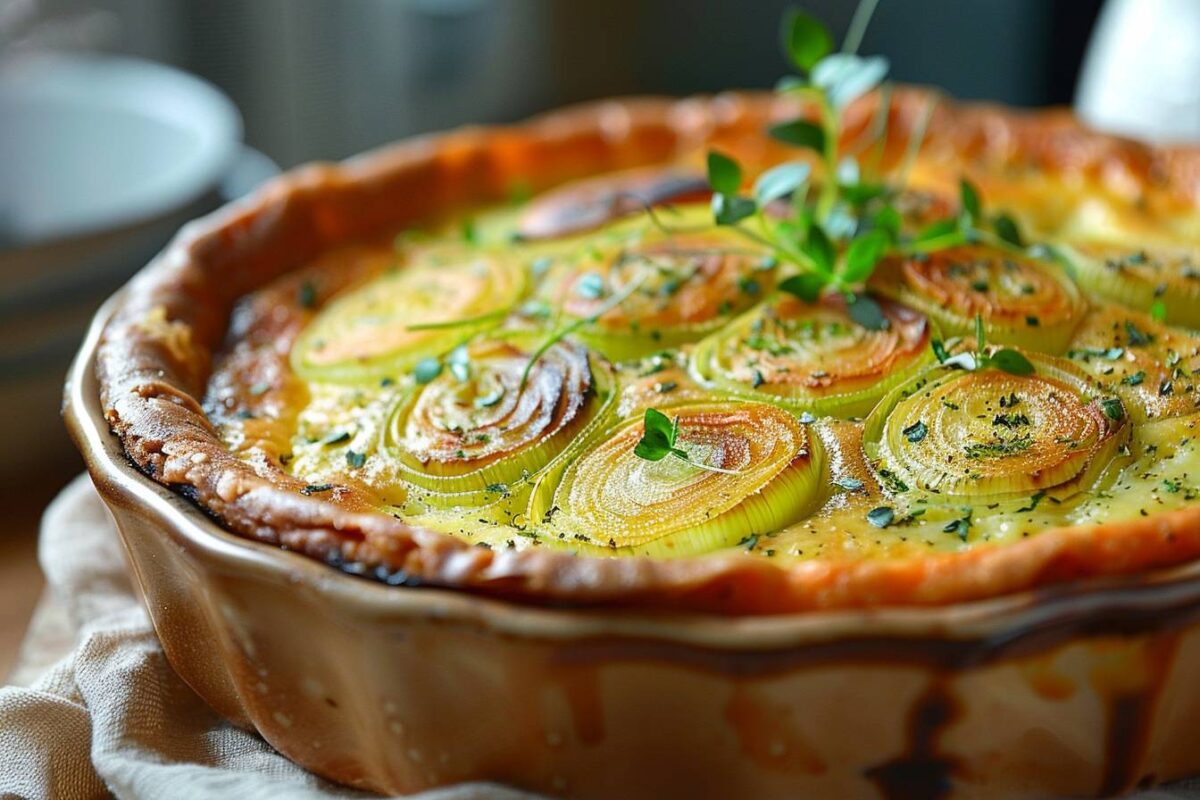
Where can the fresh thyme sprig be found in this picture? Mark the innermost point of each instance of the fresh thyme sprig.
(1005, 359)
(970, 226)
(659, 436)
(835, 230)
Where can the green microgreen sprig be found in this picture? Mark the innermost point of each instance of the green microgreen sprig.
(1005, 359)
(497, 316)
(660, 435)
(836, 229)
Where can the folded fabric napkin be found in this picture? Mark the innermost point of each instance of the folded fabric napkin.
(94, 709)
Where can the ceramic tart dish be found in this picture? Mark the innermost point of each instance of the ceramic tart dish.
(374, 441)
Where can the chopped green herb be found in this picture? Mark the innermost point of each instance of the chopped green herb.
(893, 481)
(960, 526)
(999, 448)
(426, 370)
(748, 285)
(469, 231)
(590, 285)
(881, 517)
(1136, 336)
(1135, 379)
(1034, 499)
(915, 432)
(306, 295)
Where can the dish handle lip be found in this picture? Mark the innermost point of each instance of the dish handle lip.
(1099, 606)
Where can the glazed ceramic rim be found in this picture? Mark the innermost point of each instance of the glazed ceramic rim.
(1107, 601)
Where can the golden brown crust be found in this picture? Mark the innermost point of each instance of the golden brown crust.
(157, 351)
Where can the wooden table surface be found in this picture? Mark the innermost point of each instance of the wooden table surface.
(23, 498)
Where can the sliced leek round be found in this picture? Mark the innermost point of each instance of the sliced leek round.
(582, 205)
(383, 328)
(814, 356)
(1151, 367)
(676, 289)
(1022, 300)
(987, 435)
(611, 500)
(474, 432)
(1140, 277)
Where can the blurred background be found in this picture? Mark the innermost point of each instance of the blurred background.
(120, 119)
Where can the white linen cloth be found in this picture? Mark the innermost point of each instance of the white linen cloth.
(94, 709)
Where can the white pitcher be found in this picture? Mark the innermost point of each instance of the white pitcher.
(1141, 75)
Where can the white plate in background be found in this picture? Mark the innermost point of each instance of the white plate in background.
(90, 143)
(102, 158)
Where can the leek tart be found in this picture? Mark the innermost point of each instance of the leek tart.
(1142, 276)
(384, 327)
(609, 498)
(1022, 300)
(988, 435)
(585, 511)
(814, 356)
(679, 288)
(493, 418)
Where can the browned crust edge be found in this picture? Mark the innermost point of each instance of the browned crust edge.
(151, 375)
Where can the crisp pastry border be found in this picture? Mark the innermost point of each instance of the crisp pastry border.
(157, 351)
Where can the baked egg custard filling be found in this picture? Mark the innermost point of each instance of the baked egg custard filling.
(500, 389)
